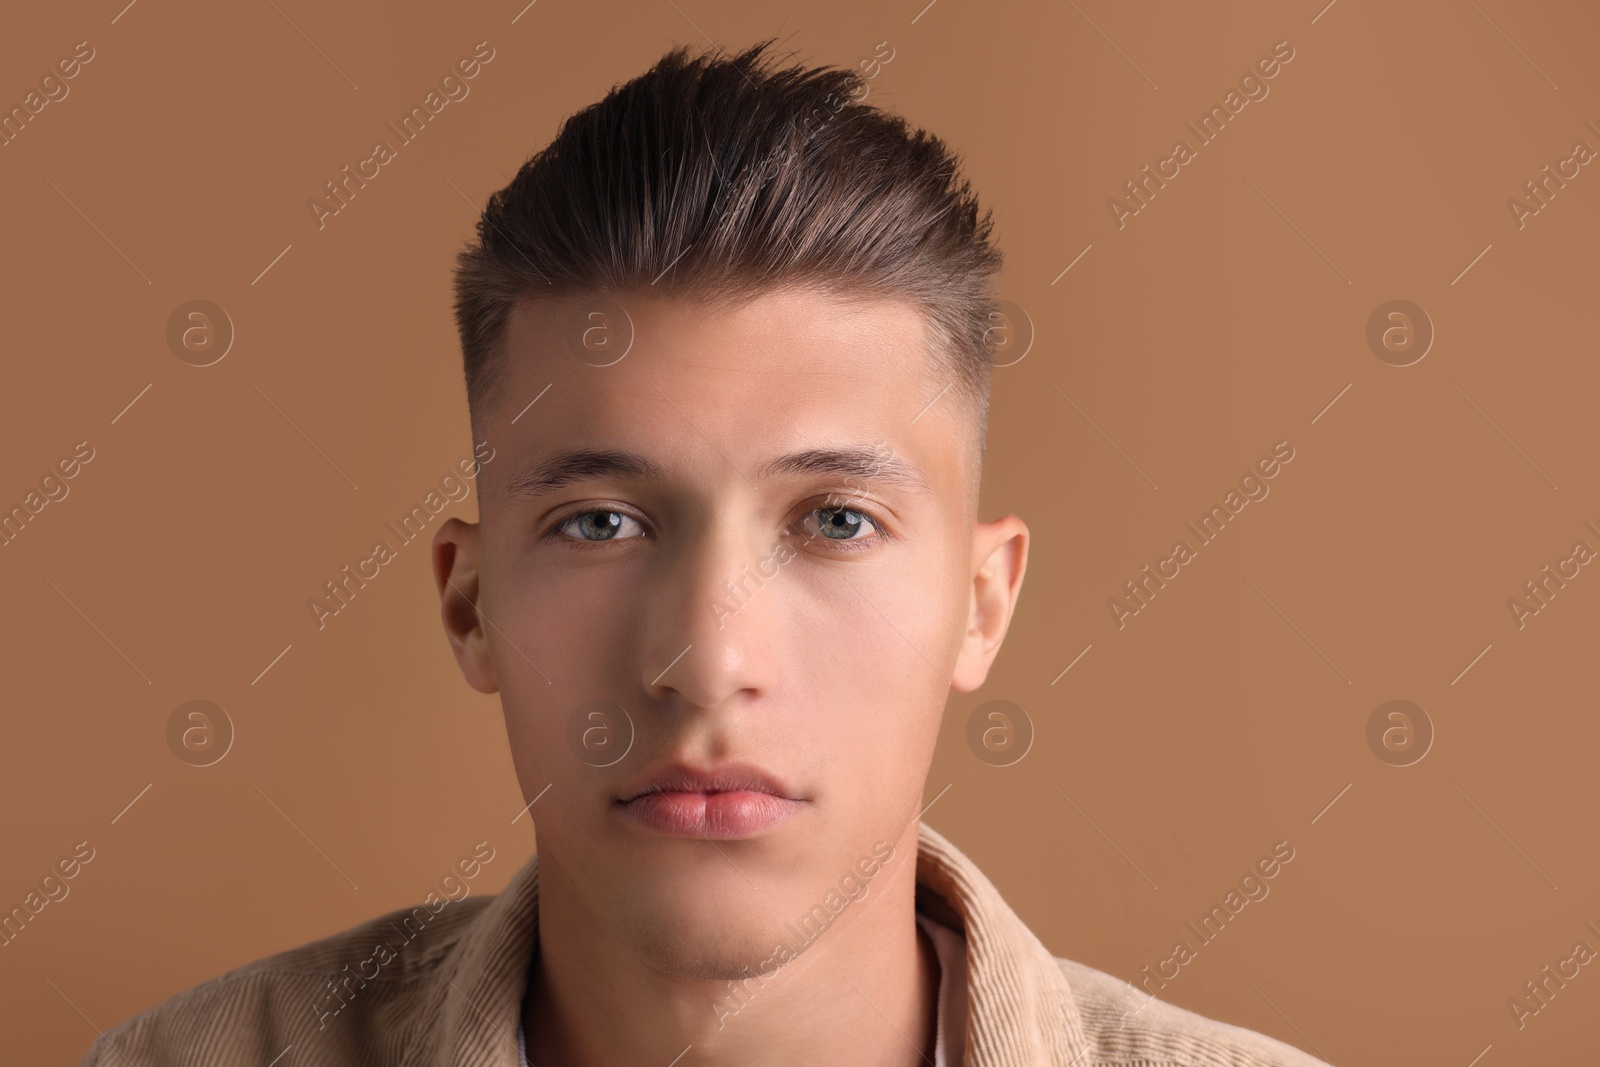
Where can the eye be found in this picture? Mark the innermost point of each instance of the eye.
(843, 526)
(596, 527)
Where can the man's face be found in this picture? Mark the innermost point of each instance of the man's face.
(713, 609)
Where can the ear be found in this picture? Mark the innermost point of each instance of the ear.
(999, 558)
(455, 572)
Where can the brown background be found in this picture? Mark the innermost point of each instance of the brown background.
(1224, 317)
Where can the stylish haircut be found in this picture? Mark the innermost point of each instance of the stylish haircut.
(717, 179)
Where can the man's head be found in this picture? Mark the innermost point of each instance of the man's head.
(726, 336)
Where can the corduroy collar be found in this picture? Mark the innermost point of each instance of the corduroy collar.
(1020, 1010)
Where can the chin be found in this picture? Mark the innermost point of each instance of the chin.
(712, 936)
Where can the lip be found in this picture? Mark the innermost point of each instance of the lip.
(724, 816)
(683, 777)
(727, 802)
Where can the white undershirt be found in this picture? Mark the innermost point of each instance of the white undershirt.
(950, 1009)
(950, 1026)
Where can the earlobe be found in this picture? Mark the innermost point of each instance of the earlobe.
(455, 573)
(999, 559)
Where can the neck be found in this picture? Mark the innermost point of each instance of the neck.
(865, 991)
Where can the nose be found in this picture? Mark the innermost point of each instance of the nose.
(709, 629)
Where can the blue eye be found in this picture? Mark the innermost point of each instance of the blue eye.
(596, 527)
(839, 524)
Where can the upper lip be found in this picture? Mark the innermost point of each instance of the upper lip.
(682, 777)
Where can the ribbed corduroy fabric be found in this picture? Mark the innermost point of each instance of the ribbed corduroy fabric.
(452, 995)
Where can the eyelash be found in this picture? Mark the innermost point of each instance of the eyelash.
(880, 534)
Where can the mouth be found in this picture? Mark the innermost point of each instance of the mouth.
(728, 803)
(724, 816)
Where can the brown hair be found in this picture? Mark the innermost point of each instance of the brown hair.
(717, 179)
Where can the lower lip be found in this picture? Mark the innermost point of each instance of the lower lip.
(720, 816)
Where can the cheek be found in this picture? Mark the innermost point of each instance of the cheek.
(567, 620)
(874, 631)
(870, 676)
(557, 638)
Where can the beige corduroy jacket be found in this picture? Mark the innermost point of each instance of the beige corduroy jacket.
(454, 996)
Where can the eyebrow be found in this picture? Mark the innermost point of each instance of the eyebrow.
(587, 464)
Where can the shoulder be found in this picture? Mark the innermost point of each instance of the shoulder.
(337, 999)
(1125, 1024)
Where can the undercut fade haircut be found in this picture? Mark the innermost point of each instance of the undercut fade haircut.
(717, 179)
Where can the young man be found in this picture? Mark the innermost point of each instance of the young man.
(726, 336)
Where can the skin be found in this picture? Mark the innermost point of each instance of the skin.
(831, 675)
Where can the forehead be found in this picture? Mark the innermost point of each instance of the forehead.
(684, 384)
